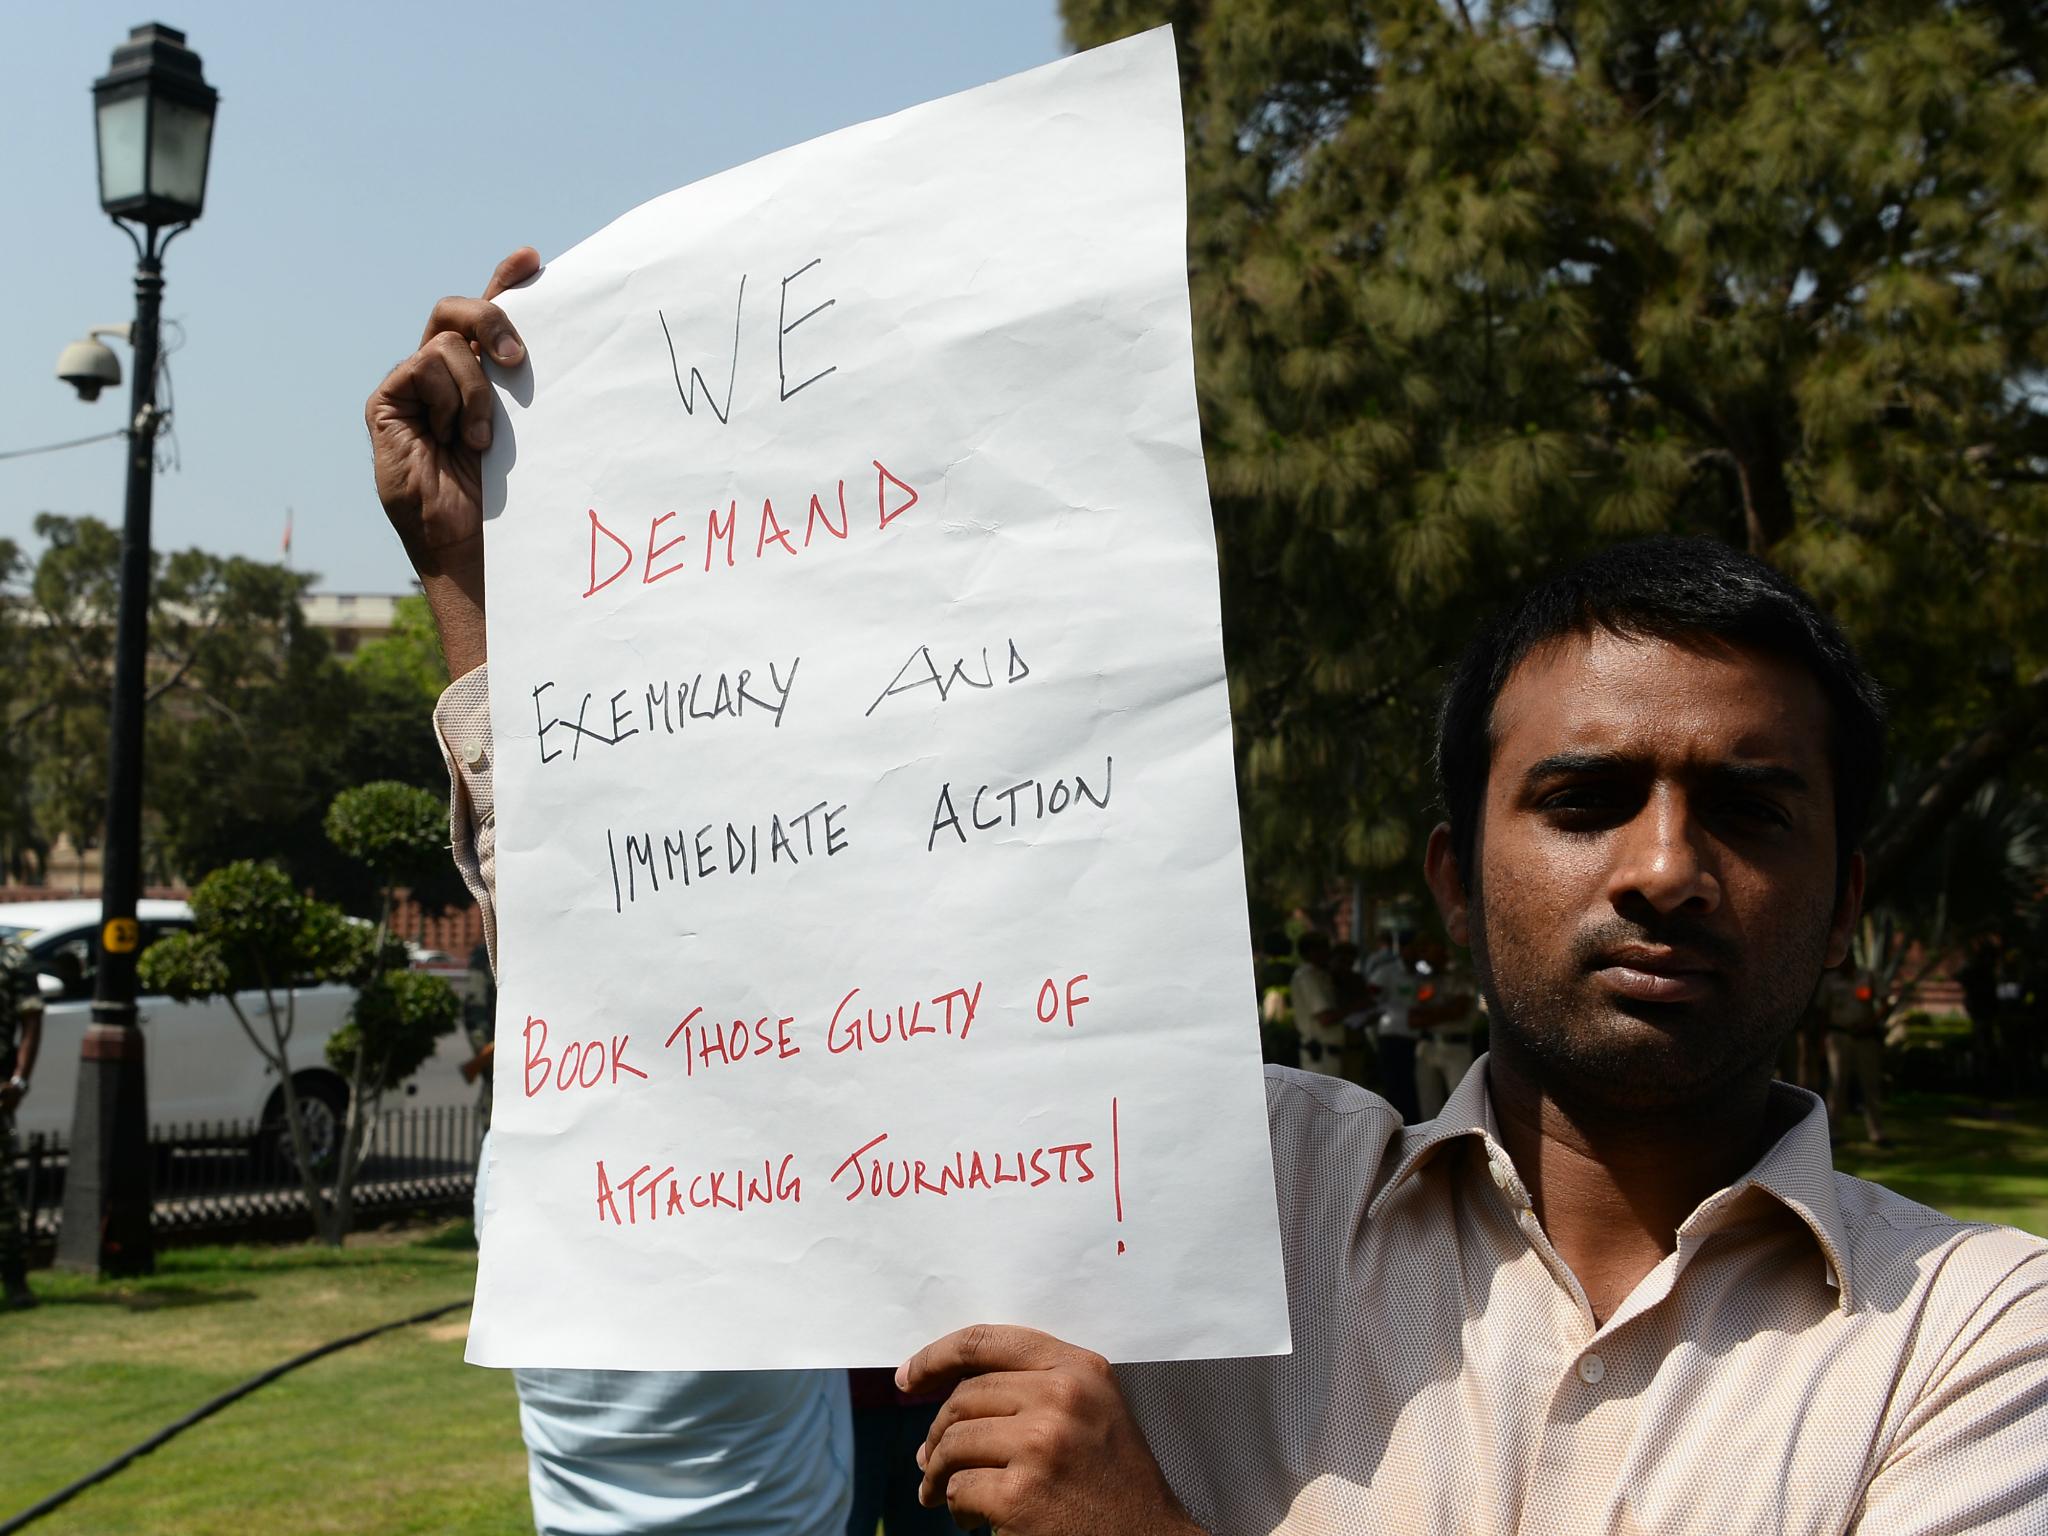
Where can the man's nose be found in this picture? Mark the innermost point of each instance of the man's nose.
(1663, 857)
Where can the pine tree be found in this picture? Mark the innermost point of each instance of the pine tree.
(1480, 288)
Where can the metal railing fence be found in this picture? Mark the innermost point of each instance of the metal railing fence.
(226, 1179)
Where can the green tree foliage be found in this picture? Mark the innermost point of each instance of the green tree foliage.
(1480, 288)
(394, 829)
(66, 647)
(401, 1014)
(391, 1031)
(405, 665)
(253, 932)
(396, 832)
(253, 724)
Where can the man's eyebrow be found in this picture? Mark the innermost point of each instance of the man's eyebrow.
(1564, 765)
(1759, 776)
(1749, 775)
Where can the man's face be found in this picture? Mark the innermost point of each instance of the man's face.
(1656, 860)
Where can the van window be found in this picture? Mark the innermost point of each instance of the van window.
(72, 958)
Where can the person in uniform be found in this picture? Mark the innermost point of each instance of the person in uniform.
(21, 1033)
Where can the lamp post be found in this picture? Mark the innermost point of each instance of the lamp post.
(154, 115)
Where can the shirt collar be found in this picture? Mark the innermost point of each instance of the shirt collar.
(1797, 1169)
(1468, 1112)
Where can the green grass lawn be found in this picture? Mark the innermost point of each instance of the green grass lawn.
(398, 1435)
(393, 1435)
(1975, 1159)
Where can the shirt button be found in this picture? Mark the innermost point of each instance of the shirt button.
(1591, 1369)
(473, 751)
(1500, 1173)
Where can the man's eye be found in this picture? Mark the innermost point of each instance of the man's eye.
(1761, 812)
(1582, 799)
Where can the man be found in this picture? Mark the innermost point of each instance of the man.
(739, 1453)
(1616, 1285)
(21, 1035)
(1313, 994)
(1390, 976)
(1355, 1012)
(1855, 1045)
(1443, 1019)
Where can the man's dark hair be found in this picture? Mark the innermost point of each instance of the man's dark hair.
(1312, 945)
(1677, 590)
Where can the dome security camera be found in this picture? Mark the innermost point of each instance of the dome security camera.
(90, 365)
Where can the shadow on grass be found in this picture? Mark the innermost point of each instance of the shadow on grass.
(447, 1247)
(158, 1298)
(292, 1259)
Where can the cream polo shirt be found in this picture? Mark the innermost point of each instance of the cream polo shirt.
(1819, 1355)
(463, 721)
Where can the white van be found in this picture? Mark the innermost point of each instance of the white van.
(200, 1066)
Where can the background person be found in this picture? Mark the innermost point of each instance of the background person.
(888, 1427)
(1393, 982)
(1356, 1014)
(1317, 1019)
(1445, 1019)
(21, 1036)
(1848, 999)
(1279, 1041)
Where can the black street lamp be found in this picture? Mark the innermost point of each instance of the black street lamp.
(154, 113)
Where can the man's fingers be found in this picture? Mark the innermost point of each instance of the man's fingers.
(480, 323)
(446, 365)
(450, 389)
(977, 1497)
(430, 383)
(979, 1443)
(983, 1347)
(981, 1397)
(512, 271)
(394, 391)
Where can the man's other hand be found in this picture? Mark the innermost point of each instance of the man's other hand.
(430, 422)
(1036, 1440)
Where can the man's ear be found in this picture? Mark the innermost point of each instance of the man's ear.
(1848, 907)
(1447, 884)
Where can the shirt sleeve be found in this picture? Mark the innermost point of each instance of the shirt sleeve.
(1972, 1455)
(462, 721)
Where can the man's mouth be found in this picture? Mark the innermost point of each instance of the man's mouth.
(1655, 973)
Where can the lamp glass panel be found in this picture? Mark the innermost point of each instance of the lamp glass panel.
(177, 153)
(122, 125)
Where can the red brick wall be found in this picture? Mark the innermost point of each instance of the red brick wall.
(455, 932)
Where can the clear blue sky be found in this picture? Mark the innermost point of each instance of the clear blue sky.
(369, 158)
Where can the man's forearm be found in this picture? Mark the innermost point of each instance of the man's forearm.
(453, 582)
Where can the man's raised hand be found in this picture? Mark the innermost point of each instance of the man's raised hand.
(1036, 1440)
(430, 421)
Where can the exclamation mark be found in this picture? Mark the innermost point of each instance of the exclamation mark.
(1116, 1169)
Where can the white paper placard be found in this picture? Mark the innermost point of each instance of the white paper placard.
(874, 954)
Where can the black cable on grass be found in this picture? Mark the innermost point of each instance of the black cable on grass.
(206, 1410)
